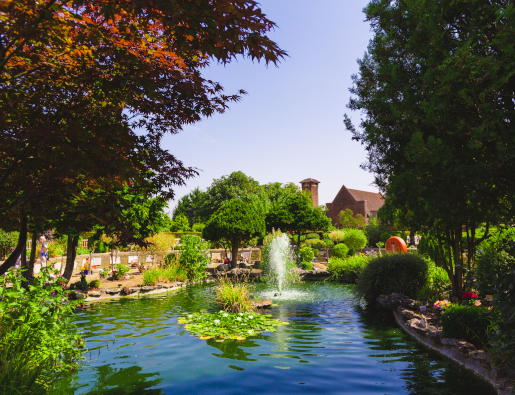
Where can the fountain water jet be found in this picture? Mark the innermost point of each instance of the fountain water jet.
(279, 254)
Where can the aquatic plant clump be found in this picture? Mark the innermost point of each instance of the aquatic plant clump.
(234, 297)
(229, 326)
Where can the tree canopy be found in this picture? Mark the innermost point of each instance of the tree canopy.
(79, 78)
(436, 90)
(235, 222)
(298, 215)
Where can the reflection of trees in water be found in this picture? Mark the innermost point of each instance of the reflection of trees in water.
(136, 317)
(127, 381)
(233, 349)
(424, 371)
(301, 331)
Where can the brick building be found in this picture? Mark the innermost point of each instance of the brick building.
(360, 202)
(311, 185)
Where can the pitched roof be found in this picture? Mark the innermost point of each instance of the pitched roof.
(374, 200)
(310, 180)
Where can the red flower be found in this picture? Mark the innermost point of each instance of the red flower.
(470, 295)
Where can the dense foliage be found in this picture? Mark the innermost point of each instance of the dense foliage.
(435, 88)
(347, 269)
(438, 283)
(304, 254)
(235, 223)
(121, 76)
(193, 257)
(496, 276)
(169, 274)
(348, 220)
(472, 323)
(340, 251)
(389, 273)
(336, 236)
(297, 214)
(38, 340)
(355, 239)
(234, 296)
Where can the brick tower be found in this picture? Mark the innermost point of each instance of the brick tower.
(311, 185)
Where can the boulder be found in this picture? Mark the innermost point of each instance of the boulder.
(262, 304)
(78, 295)
(148, 288)
(95, 294)
(407, 314)
(393, 301)
(112, 291)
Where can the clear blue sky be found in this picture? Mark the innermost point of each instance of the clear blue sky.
(290, 125)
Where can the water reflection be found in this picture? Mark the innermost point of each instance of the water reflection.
(424, 371)
(125, 381)
(331, 345)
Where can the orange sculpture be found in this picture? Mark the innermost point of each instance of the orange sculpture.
(396, 244)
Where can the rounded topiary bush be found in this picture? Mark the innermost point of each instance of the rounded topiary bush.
(340, 251)
(306, 265)
(386, 274)
(355, 238)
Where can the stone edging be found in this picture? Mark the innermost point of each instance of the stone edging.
(461, 352)
(112, 293)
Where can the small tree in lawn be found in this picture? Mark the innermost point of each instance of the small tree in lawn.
(236, 222)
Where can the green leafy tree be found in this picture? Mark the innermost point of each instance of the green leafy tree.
(121, 76)
(348, 220)
(297, 215)
(436, 89)
(237, 185)
(180, 224)
(236, 222)
(190, 206)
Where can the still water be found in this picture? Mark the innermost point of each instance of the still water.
(332, 345)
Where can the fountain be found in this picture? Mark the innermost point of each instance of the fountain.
(279, 253)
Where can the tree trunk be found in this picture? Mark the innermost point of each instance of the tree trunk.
(20, 247)
(458, 262)
(29, 274)
(70, 256)
(234, 252)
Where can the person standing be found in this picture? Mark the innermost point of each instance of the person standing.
(43, 254)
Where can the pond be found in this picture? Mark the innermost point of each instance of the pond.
(332, 345)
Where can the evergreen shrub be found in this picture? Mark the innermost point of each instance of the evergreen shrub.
(340, 251)
(355, 238)
(306, 265)
(312, 236)
(94, 284)
(305, 254)
(389, 273)
(495, 272)
(348, 269)
(318, 244)
(472, 323)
